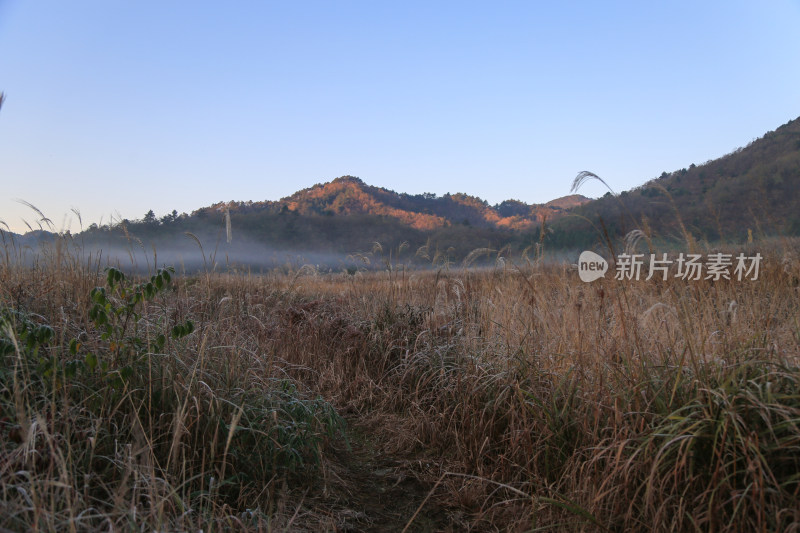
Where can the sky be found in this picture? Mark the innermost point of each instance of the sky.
(114, 108)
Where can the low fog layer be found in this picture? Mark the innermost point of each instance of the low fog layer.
(207, 252)
(188, 256)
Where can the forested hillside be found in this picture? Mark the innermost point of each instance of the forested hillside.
(754, 190)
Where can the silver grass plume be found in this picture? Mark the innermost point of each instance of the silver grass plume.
(228, 233)
(585, 176)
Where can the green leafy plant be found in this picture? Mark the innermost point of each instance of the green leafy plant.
(19, 332)
(116, 312)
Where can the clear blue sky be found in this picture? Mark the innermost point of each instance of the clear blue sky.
(116, 107)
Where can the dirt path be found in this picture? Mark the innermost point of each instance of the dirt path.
(367, 491)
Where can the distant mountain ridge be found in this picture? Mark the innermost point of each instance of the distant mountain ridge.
(349, 195)
(750, 193)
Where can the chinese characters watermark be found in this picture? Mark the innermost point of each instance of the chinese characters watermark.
(713, 266)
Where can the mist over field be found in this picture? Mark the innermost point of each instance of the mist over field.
(186, 256)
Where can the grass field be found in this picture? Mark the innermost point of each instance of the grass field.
(515, 398)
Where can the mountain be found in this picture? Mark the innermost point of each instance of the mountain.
(349, 196)
(754, 190)
(344, 223)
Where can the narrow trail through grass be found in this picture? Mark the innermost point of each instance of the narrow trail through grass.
(369, 490)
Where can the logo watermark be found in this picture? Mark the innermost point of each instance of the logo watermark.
(591, 266)
(714, 267)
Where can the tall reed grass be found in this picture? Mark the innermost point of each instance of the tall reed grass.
(519, 396)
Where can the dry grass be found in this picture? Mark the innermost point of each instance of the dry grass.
(517, 398)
